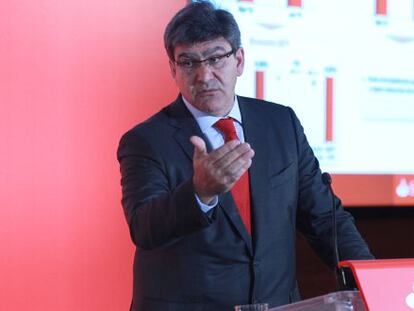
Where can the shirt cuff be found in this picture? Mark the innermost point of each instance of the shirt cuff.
(207, 207)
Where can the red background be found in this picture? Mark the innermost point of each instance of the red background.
(74, 75)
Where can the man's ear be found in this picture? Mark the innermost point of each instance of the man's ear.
(173, 69)
(240, 61)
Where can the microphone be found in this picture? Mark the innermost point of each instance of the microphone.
(339, 272)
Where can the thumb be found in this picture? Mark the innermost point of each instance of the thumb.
(200, 148)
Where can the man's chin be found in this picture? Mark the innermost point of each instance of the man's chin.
(207, 99)
(207, 96)
(214, 106)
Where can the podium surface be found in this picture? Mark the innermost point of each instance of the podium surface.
(339, 301)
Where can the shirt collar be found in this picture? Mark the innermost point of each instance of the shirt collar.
(206, 121)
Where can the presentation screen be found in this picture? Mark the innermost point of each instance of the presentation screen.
(347, 70)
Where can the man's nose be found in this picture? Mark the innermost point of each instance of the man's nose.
(203, 72)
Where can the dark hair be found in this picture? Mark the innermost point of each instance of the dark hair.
(199, 22)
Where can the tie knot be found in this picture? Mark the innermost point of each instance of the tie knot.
(227, 128)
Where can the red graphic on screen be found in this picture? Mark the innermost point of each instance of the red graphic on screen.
(329, 109)
(297, 3)
(381, 7)
(260, 84)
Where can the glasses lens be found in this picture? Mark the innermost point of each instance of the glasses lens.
(216, 62)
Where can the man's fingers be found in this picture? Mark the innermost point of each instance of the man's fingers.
(240, 165)
(218, 153)
(240, 152)
(217, 171)
(200, 148)
(236, 173)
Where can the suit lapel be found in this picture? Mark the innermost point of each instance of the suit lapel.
(186, 126)
(229, 208)
(256, 134)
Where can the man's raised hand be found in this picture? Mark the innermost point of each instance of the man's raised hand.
(216, 172)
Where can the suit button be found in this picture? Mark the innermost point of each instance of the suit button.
(256, 263)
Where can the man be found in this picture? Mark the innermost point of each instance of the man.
(212, 205)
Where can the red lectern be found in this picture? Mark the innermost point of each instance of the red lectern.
(385, 285)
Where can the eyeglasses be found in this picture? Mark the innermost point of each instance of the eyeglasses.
(215, 62)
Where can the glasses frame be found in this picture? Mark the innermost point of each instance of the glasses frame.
(209, 61)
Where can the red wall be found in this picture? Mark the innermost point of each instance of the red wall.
(74, 75)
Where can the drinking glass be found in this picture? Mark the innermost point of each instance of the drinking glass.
(253, 307)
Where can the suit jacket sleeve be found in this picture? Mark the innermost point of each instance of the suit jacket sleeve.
(157, 211)
(314, 218)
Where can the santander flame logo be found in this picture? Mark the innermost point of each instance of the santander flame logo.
(405, 188)
(410, 299)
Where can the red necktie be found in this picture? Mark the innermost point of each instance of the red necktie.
(240, 190)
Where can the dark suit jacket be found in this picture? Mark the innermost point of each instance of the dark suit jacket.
(187, 260)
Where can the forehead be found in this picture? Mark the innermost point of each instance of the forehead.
(202, 49)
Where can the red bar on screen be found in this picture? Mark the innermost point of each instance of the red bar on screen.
(297, 3)
(381, 7)
(329, 109)
(259, 84)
